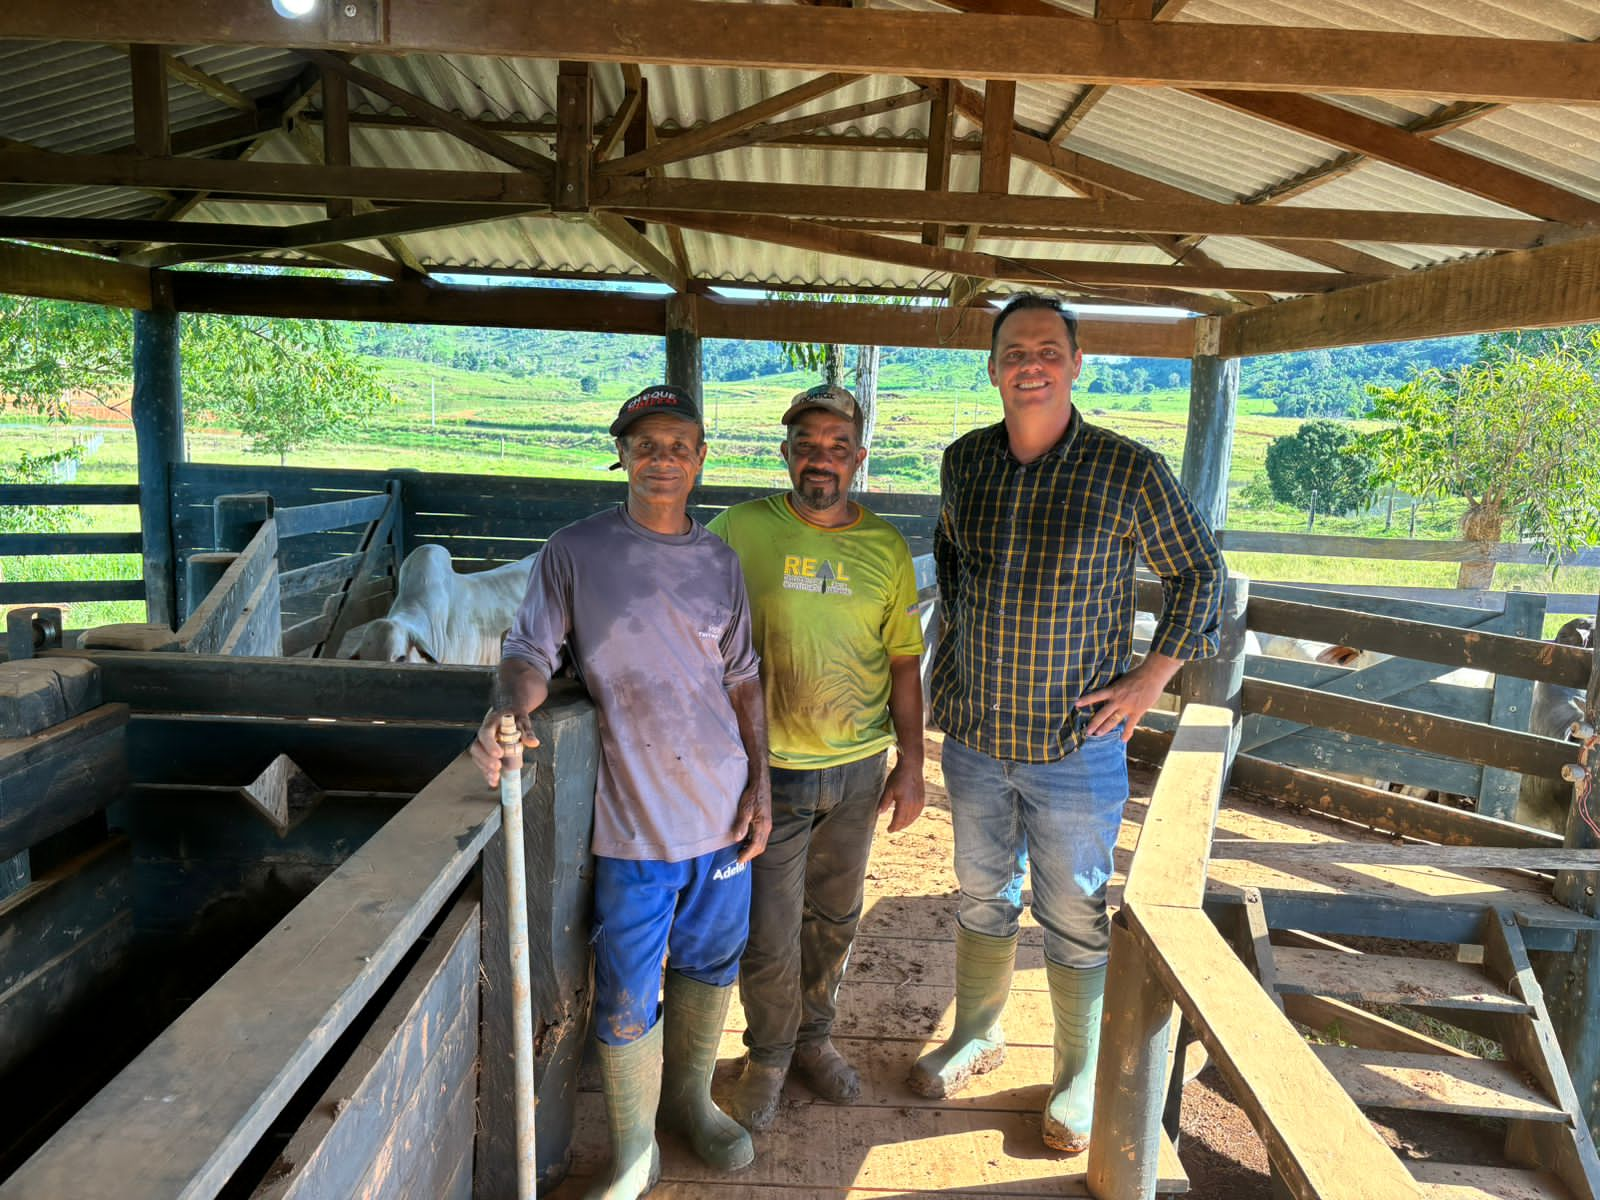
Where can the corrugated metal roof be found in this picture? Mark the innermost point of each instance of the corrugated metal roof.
(76, 98)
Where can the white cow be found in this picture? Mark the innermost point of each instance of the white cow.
(1544, 802)
(440, 616)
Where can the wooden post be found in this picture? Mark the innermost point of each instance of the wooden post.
(683, 346)
(1213, 399)
(1130, 1083)
(158, 437)
(1220, 680)
(574, 137)
(1511, 705)
(1571, 982)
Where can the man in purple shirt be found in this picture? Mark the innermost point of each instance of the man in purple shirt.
(652, 611)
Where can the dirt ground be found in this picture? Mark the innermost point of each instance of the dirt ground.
(897, 1000)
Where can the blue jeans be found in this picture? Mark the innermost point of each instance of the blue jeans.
(696, 913)
(1060, 817)
(805, 903)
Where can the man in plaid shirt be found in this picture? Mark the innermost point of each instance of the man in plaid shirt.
(1043, 519)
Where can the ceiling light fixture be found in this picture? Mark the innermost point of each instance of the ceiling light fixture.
(294, 9)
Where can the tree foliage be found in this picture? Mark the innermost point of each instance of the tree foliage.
(1516, 434)
(282, 383)
(1319, 458)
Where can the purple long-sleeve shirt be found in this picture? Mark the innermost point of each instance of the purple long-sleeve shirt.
(659, 628)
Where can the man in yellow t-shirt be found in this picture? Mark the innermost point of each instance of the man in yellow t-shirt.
(833, 599)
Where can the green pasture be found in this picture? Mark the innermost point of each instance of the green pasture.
(477, 422)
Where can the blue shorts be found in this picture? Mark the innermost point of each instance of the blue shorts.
(695, 914)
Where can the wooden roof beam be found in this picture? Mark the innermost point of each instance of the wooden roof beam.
(694, 142)
(207, 84)
(1096, 178)
(967, 208)
(872, 41)
(1419, 155)
(640, 249)
(440, 118)
(1139, 283)
(53, 275)
(613, 312)
(1547, 286)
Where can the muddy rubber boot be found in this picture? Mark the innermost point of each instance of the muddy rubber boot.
(827, 1072)
(976, 1045)
(692, 1013)
(754, 1103)
(631, 1076)
(1076, 997)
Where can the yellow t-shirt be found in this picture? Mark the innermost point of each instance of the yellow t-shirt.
(828, 609)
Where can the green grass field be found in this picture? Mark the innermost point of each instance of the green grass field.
(488, 423)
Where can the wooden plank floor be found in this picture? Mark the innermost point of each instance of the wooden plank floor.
(897, 999)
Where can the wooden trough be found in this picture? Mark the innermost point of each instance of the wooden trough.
(255, 957)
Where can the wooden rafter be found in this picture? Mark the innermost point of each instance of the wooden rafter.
(965, 208)
(1138, 283)
(690, 33)
(612, 133)
(441, 118)
(640, 249)
(311, 146)
(1096, 178)
(642, 136)
(207, 84)
(710, 134)
(1419, 155)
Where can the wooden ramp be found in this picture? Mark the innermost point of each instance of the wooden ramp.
(1518, 1081)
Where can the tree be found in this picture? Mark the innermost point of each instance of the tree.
(283, 383)
(1515, 434)
(1319, 458)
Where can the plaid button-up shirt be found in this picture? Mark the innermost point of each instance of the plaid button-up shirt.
(1035, 564)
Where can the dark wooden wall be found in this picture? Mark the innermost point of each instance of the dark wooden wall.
(483, 520)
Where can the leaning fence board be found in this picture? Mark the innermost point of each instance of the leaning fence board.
(1387, 979)
(1318, 1139)
(354, 1121)
(178, 1120)
(1169, 866)
(1493, 652)
(1388, 811)
(210, 622)
(1433, 1083)
(53, 779)
(1471, 741)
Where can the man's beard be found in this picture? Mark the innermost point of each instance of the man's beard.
(818, 495)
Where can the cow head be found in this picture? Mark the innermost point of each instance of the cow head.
(389, 641)
(1577, 632)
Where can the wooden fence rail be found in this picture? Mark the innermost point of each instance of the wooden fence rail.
(69, 545)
